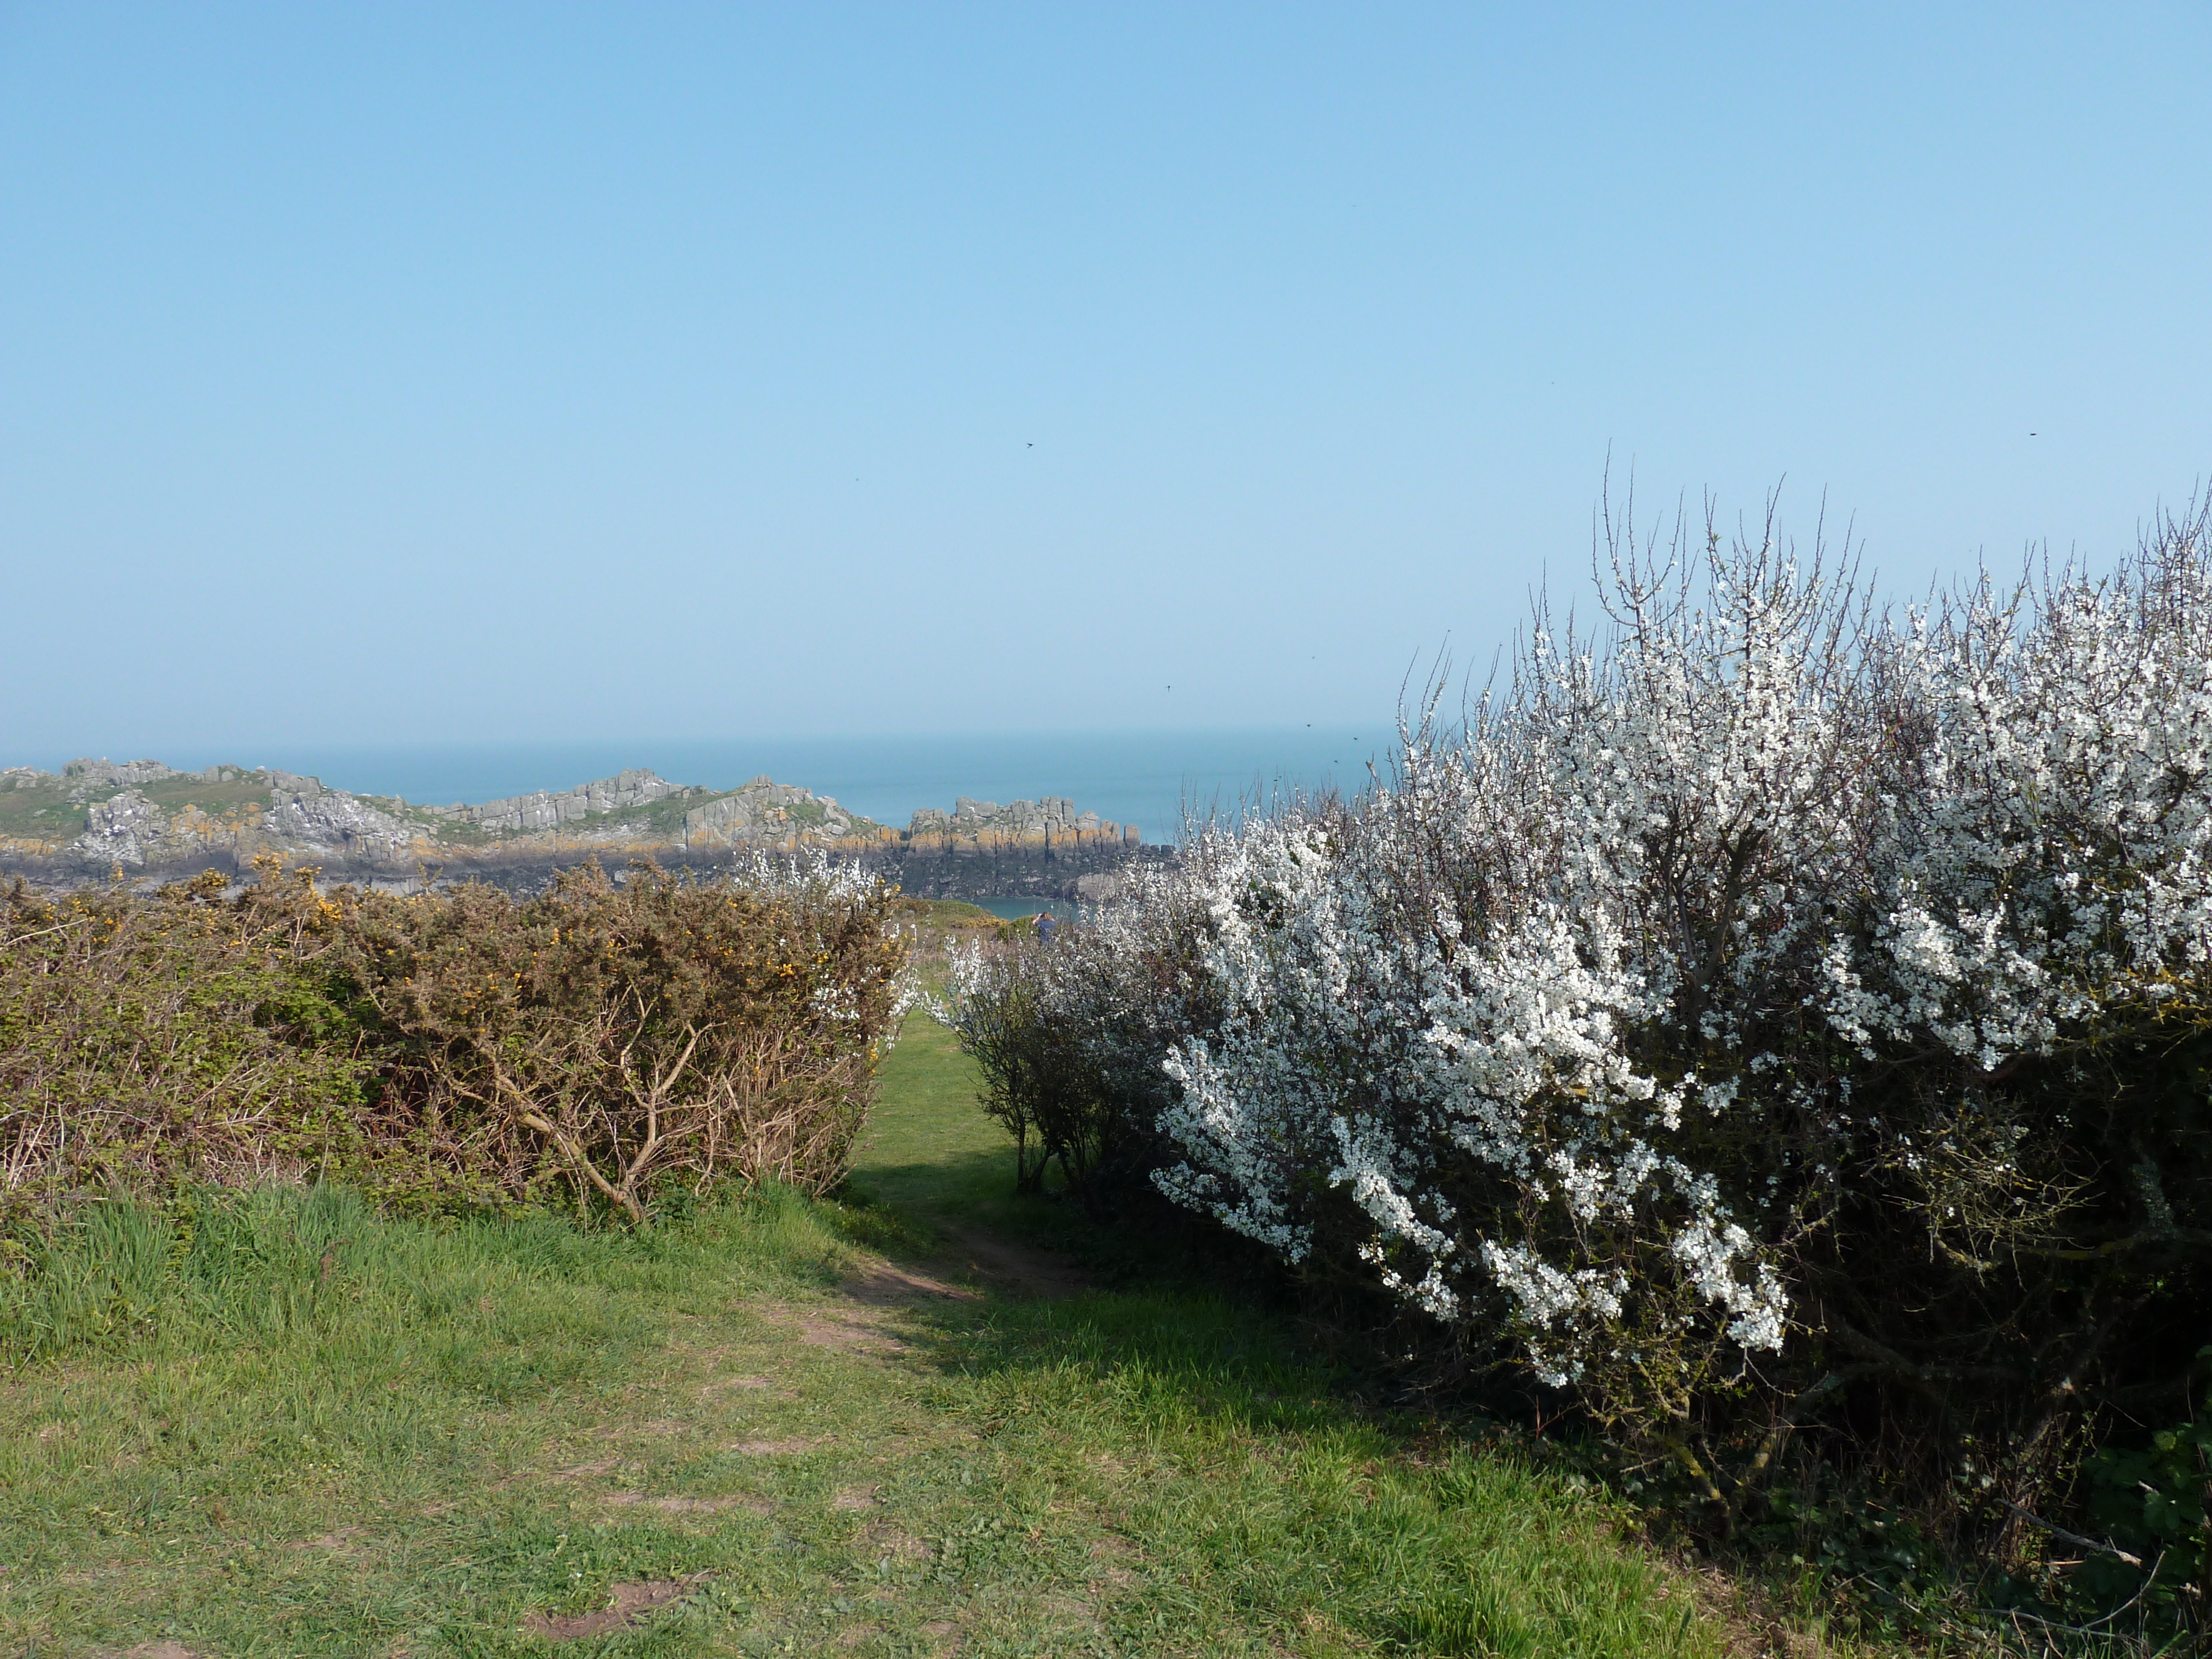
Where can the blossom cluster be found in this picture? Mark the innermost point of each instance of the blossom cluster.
(1581, 1027)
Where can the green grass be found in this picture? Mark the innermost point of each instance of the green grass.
(39, 811)
(248, 789)
(928, 1154)
(274, 1423)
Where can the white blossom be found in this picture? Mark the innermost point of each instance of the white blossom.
(1563, 1021)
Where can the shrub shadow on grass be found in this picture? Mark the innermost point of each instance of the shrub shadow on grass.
(420, 1388)
(1248, 1477)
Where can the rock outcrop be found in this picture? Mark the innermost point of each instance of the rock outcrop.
(766, 813)
(127, 830)
(86, 777)
(145, 818)
(304, 817)
(523, 814)
(979, 824)
(299, 817)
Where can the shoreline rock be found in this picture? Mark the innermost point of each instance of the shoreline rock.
(149, 823)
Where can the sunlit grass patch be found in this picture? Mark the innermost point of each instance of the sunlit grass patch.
(274, 1421)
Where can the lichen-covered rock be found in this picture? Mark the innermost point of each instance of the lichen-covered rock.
(304, 816)
(766, 813)
(519, 815)
(86, 778)
(973, 825)
(155, 822)
(126, 828)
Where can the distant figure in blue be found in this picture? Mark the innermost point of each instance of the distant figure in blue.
(1045, 924)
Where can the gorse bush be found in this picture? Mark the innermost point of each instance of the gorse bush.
(601, 1042)
(1784, 1027)
(609, 1039)
(141, 1039)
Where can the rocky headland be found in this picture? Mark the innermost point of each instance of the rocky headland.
(98, 820)
(1045, 849)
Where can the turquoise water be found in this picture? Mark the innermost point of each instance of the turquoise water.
(1010, 909)
(1148, 779)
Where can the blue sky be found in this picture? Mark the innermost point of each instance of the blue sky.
(403, 375)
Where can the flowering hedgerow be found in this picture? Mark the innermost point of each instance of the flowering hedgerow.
(1774, 1002)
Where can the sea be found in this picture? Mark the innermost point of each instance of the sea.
(1159, 780)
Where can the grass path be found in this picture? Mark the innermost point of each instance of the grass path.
(931, 1158)
(280, 1425)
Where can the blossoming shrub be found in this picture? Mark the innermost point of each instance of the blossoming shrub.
(600, 1043)
(1776, 1024)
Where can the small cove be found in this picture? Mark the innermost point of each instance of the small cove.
(1008, 910)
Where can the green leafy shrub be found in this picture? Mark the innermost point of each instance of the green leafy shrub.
(2152, 1503)
(1038, 1079)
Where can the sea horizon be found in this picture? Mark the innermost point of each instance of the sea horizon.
(1153, 780)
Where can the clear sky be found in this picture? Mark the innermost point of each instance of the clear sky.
(387, 373)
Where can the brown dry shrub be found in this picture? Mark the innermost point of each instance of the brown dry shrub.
(617, 1040)
(606, 1042)
(143, 1040)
